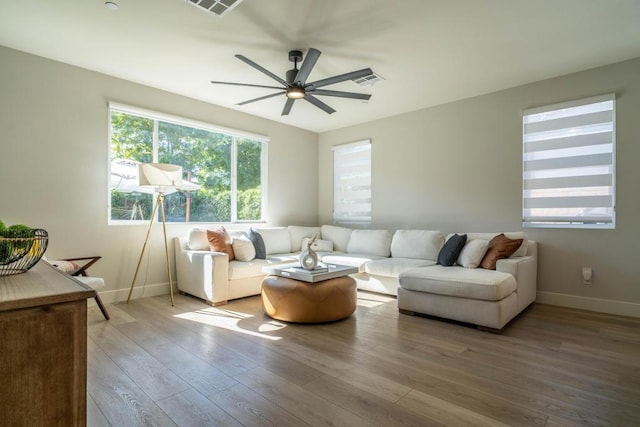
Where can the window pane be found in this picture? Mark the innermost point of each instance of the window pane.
(205, 158)
(249, 192)
(131, 138)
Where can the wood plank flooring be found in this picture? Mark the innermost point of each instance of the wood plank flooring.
(196, 365)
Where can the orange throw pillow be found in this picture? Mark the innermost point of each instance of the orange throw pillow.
(220, 241)
(500, 247)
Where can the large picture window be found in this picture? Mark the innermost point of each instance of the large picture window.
(569, 164)
(227, 165)
(352, 183)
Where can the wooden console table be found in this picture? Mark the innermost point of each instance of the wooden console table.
(43, 348)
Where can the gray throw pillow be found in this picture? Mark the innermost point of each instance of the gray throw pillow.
(258, 243)
(451, 250)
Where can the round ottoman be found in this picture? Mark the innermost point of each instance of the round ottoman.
(302, 302)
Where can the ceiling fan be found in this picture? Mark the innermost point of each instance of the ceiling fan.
(295, 85)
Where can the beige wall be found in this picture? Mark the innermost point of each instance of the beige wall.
(457, 167)
(54, 160)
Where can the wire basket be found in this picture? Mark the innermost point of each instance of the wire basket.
(19, 254)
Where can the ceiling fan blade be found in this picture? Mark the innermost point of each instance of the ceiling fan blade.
(341, 78)
(262, 69)
(287, 107)
(261, 98)
(308, 64)
(244, 84)
(340, 94)
(321, 105)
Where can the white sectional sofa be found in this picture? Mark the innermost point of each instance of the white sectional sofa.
(401, 263)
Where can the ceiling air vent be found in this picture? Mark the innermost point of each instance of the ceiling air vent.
(217, 7)
(368, 80)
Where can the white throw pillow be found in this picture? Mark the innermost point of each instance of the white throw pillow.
(416, 244)
(276, 240)
(243, 249)
(338, 235)
(298, 233)
(370, 242)
(318, 246)
(198, 239)
(472, 253)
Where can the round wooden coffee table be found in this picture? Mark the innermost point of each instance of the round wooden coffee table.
(302, 302)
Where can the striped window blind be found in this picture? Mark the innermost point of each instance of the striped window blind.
(352, 183)
(569, 164)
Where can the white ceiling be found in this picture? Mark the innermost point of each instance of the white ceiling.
(429, 51)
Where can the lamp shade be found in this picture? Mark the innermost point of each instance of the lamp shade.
(162, 177)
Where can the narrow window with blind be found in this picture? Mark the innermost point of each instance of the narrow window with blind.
(569, 164)
(352, 183)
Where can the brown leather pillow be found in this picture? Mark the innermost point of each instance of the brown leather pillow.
(220, 241)
(500, 247)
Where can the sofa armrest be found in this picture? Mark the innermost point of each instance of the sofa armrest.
(203, 274)
(525, 270)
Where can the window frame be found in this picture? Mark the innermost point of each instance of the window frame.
(235, 134)
(571, 222)
(335, 149)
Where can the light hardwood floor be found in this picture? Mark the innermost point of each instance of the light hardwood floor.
(193, 364)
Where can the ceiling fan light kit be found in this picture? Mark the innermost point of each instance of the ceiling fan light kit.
(295, 85)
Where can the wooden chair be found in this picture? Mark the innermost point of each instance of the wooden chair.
(71, 267)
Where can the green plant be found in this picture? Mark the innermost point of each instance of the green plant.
(16, 243)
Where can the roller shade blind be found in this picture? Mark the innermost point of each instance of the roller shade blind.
(569, 164)
(352, 183)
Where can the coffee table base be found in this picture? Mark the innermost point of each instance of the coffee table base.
(301, 302)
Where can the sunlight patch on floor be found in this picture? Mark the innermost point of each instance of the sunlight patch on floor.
(233, 321)
(366, 299)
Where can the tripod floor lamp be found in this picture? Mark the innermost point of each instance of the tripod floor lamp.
(162, 179)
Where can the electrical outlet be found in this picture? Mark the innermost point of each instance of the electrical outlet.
(587, 275)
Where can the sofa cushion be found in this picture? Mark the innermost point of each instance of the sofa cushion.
(472, 253)
(243, 248)
(220, 241)
(277, 240)
(352, 260)
(298, 233)
(500, 247)
(338, 235)
(418, 244)
(481, 284)
(392, 267)
(198, 239)
(370, 242)
(258, 243)
(451, 250)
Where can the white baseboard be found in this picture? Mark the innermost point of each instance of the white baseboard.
(139, 291)
(608, 306)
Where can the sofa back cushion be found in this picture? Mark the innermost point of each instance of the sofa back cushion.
(276, 240)
(298, 233)
(416, 244)
(370, 242)
(338, 235)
